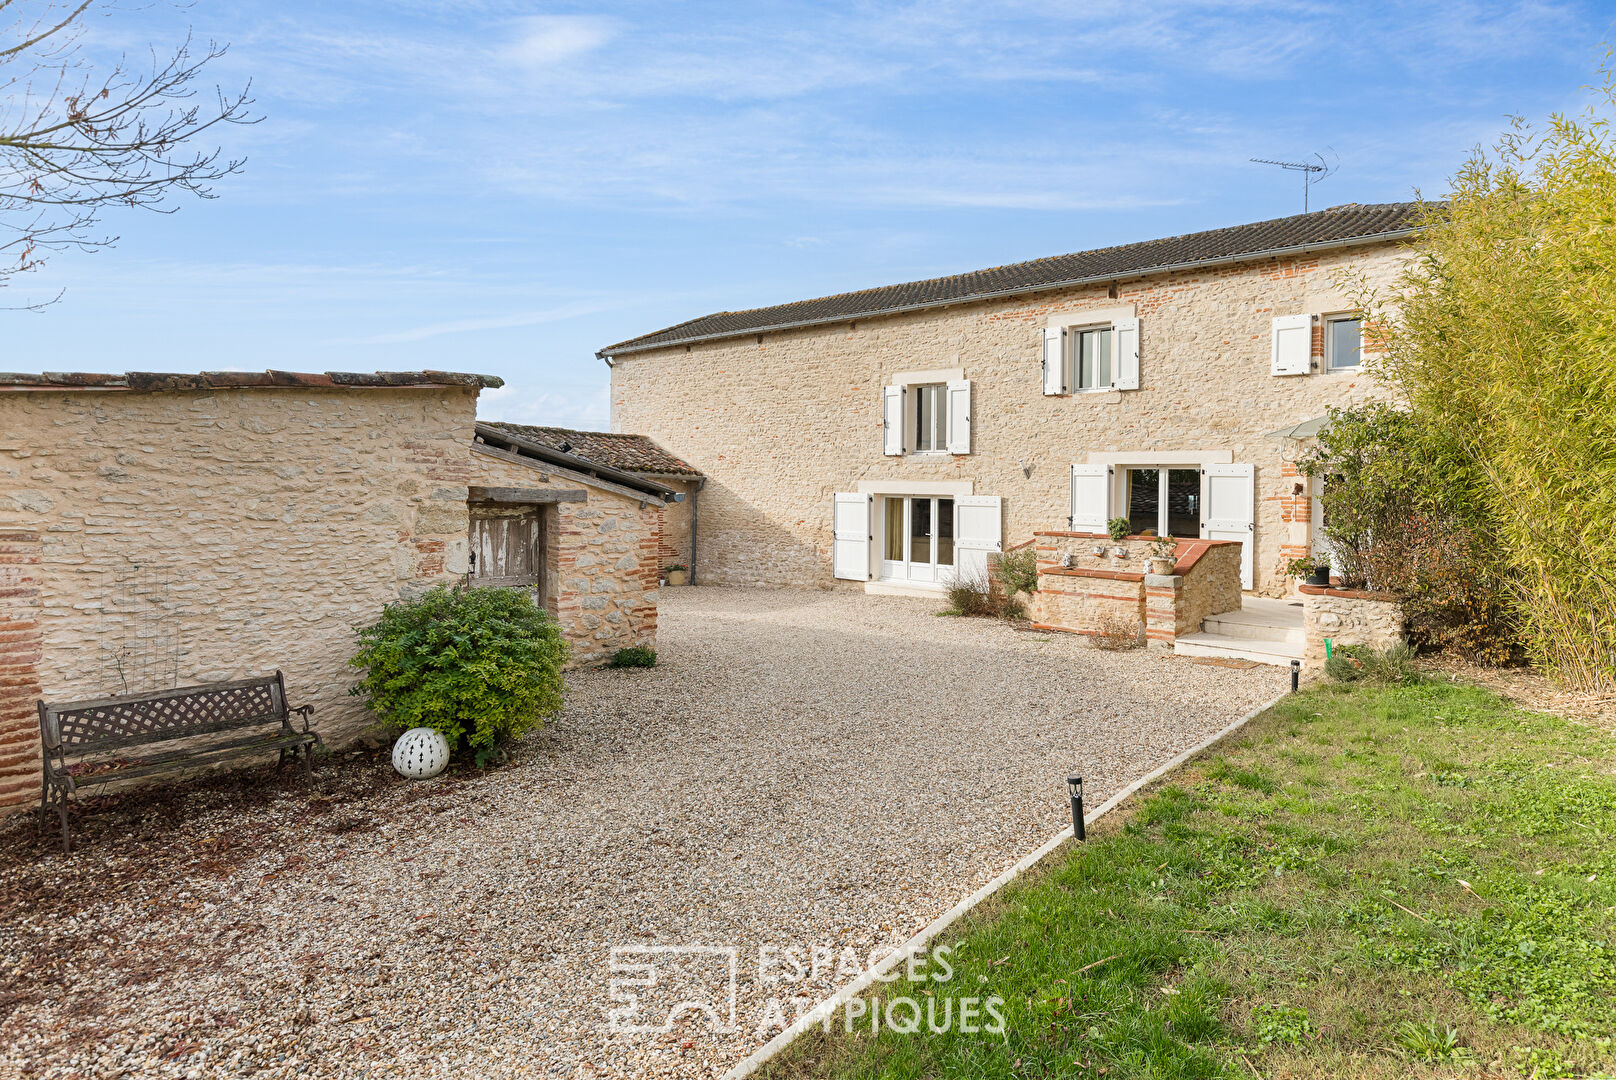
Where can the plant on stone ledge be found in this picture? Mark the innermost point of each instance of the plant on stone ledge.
(482, 666)
(1118, 527)
(1018, 570)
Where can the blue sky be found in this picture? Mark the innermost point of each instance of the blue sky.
(506, 187)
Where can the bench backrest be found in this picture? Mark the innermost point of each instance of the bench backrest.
(134, 719)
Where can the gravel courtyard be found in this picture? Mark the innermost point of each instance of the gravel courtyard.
(802, 769)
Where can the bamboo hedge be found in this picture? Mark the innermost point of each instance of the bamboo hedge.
(1501, 336)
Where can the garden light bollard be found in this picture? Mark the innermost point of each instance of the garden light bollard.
(1074, 787)
(1296, 675)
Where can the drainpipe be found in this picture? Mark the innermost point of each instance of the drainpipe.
(695, 506)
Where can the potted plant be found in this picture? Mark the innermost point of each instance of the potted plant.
(1163, 555)
(1311, 571)
(678, 573)
(1118, 528)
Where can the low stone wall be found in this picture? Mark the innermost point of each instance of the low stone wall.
(1087, 601)
(1085, 585)
(1347, 617)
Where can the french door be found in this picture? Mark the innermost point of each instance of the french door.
(917, 541)
(1163, 502)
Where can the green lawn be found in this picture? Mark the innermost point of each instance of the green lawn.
(1368, 882)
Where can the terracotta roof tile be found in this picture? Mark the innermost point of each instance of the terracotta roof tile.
(232, 380)
(1337, 225)
(630, 453)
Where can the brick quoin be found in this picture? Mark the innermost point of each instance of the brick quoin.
(21, 647)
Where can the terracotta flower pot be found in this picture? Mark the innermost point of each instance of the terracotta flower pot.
(1162, 566)
(678, 577)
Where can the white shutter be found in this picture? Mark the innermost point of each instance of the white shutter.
(1292, 348)
(850, 532)
(1054, 361)
(977, 532)
(892, 398)
(1125, 339)
(1231, 503)
(959, 417)
(1091, 498)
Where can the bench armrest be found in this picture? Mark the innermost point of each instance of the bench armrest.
(305, 711)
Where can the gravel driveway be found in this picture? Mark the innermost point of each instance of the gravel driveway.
(803, 769)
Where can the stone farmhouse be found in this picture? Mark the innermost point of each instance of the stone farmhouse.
(897, 437)
(165, 530)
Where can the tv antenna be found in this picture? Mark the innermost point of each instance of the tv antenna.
(1308, 169)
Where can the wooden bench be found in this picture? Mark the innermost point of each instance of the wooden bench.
(83, 741)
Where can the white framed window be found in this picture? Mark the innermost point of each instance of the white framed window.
(930, 418)
(1096, 356)
(921, 415)
(917, 541)
(1090, 358)
(1343, 342)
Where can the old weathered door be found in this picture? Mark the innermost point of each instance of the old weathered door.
(507, 545)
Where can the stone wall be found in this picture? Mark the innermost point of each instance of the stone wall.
(603, 557)
(1088, 602)
(21, 646)
(781, 421)
(676, 523)
(1347, 617)
(1084, 586)
(168, 538)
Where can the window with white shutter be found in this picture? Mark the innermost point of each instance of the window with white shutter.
(850, 535)
(1099, 356)
(1055, 360)
(978, 534)
(1090, 498)
(1292, 348)
(1231, 511)
(1125, 338)
(892, 420)
(959, 417)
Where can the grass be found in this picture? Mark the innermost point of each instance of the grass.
(1371, 881)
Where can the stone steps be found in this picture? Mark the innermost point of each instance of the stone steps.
(1277, 653)
(1262, 629)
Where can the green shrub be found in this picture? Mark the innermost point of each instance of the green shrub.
(1018, 570)
(1118, 528)
(1402, 520)
(1360, 663)
(482, 666)
(973, 596)
(633, 656)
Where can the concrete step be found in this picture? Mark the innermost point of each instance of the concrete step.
(1254, 626)
(1278, 653)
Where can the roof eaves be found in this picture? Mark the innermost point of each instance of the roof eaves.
(488, 433)
(1168, 268)
(235, 380)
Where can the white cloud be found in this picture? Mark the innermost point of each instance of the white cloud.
(475, 324)
(543, 41)
(516, 403)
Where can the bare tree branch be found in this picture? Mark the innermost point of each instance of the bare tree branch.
(114, 137)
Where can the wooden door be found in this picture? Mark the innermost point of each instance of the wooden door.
(507, 545)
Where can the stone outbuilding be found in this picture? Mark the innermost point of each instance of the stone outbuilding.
(634, 455)
(161, 530)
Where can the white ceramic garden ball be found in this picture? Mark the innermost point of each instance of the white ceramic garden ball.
(421, 752)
